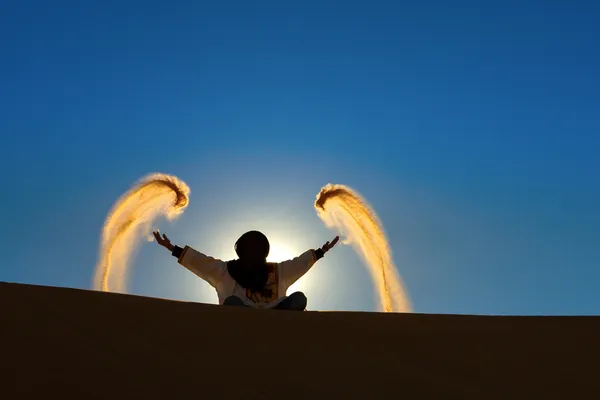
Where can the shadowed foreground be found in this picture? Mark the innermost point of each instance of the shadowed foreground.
(86, 344)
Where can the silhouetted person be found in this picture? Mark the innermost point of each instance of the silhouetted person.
(250, 280)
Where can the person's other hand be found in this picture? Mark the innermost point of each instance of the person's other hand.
(163, 241)
(328, 246)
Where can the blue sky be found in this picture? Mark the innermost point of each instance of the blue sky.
(473, 128)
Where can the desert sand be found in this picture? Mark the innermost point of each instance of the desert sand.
(74, 343)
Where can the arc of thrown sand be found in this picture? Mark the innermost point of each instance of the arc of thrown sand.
(387, 300)
(354, 206)
(112, 238)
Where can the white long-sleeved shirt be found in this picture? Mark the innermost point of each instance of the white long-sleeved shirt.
(281, 276)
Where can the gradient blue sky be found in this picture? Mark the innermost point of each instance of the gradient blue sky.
(473, 128)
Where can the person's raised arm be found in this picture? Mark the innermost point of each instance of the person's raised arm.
(208, 268)
(292, 270)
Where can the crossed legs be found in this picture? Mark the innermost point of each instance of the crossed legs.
(294, 302)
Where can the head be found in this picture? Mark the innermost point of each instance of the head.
(252, 246)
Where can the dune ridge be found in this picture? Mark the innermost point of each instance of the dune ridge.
(77, 343)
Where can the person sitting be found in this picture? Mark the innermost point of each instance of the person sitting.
(250, 280)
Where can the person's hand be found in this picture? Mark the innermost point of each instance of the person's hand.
(328, 246)
(163, 241)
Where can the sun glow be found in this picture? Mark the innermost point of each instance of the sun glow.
(279, 253)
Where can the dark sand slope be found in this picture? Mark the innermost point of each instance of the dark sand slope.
(84, 344)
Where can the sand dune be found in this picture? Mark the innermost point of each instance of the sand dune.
(74, 343)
